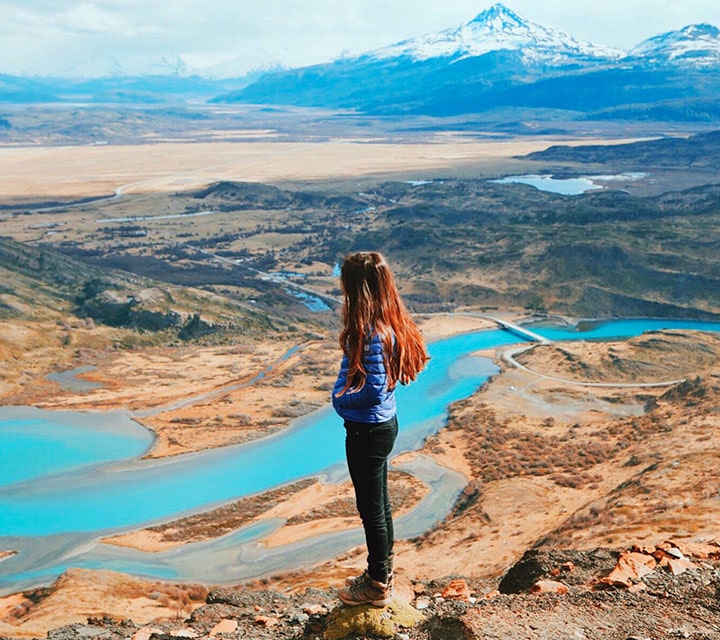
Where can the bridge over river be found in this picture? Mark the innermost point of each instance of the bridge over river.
(523, 332)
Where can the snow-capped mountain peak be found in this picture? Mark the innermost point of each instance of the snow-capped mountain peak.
(495, 29)
(253, 63)
(696, 44)
(499, 18)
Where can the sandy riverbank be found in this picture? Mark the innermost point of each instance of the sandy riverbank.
(195, 398)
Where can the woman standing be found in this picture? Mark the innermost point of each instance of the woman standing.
(381, 347)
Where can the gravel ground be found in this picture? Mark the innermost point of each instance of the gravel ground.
(661, 606)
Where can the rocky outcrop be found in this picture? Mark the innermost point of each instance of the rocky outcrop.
(386, 622)
(571, 567)
(195, 327)
(120, 311)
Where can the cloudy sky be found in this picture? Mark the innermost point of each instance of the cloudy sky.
(79, 36)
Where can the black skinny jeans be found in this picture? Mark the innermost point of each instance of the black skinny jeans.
(367, 447)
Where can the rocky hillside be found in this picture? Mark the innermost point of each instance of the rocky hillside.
(57, 312)
(603, 594)
(42, 284)
(701, 151)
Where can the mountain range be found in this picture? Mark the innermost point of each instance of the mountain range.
(497, 60)
(500, 59)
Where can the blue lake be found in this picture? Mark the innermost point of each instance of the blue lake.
(568, 186)
(76, 477)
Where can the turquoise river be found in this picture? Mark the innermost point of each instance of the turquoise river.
(69, 479)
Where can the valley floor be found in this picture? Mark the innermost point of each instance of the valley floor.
(546, 463)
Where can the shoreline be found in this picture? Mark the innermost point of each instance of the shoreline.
(241, 554)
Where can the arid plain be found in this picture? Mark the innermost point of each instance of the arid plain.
(206, 395)
(29, 173)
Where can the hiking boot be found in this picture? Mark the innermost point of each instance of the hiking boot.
(365, 590)
(350, 580)
(390, 578)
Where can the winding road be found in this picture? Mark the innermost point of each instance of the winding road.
(508, 356)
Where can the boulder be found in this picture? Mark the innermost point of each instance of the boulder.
(678, 566)
(362, 620)
(457, 590)
(630, 568)
(226, 625)
(549, 586)
(575, 568)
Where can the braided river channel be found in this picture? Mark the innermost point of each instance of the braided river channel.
(68, 479)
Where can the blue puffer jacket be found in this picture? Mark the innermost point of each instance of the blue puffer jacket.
(373, 403)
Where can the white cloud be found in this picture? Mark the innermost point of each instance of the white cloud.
(92, 19)
(82, 17)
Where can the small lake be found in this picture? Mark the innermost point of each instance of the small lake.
(568, 186)
(75, 477)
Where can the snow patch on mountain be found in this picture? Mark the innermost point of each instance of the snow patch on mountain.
(497, 29)
(696, 44)
(246, 65)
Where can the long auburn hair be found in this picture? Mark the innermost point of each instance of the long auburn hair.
(372, 305)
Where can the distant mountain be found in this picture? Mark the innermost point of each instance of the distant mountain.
(24, 90)
(697, 45)
(142, 89)
(496, 60)
(110, 66)
(109, 80)
(498, 29)
(500, 59)
(250, 67)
